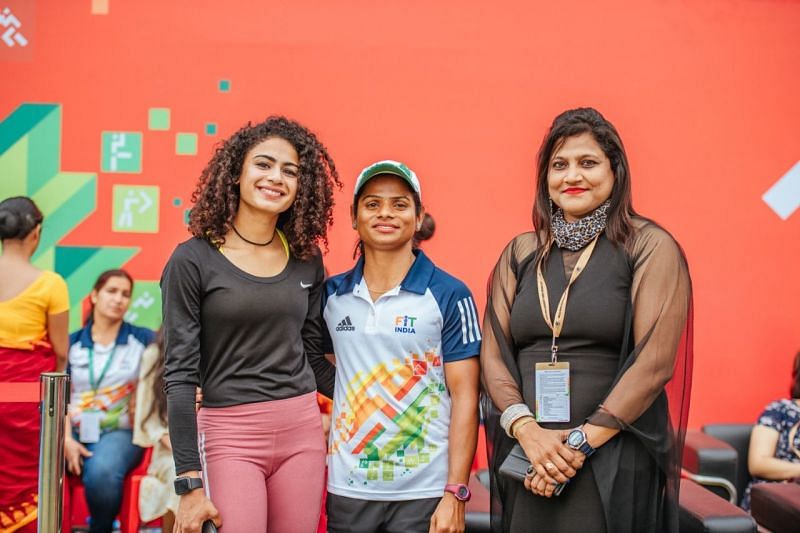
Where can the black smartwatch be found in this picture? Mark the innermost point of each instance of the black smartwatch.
(577, 441)
(186, 484)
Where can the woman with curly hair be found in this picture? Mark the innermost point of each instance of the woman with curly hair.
(242, 321)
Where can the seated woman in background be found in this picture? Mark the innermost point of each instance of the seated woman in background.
(104, 360)
(157, 499)
(34, 313)
(775, 441)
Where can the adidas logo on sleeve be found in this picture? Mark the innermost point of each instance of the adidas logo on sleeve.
(345, 325)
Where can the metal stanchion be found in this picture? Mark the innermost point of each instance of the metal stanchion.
(53, 406)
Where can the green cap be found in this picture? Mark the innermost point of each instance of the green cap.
(388, 166)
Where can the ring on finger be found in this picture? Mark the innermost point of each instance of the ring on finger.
(549, 466)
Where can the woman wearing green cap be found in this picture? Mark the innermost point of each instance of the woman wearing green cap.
(406, 338)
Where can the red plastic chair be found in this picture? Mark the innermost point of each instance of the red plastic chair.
(76, 511)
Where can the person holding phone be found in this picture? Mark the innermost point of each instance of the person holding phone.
(587, 332)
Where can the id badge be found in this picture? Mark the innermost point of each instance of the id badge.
(90, 426)
(552, 392)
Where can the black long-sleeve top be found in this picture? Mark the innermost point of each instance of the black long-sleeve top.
(241, 338)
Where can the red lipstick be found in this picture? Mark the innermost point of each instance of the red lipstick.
(574, 190)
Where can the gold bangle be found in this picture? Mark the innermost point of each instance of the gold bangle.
(518, 424)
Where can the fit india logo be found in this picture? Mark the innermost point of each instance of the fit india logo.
(404, 324)
(12, 29)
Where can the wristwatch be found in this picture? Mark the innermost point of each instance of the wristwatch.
(186, 484)
(460, 491)
(577, 441)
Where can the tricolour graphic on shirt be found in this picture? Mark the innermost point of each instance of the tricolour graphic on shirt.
(389, 442)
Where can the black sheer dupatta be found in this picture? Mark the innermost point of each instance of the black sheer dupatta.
(648, 402)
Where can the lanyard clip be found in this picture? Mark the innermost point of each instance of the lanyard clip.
(554, 352)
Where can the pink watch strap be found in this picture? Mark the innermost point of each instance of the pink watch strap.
(459, 490)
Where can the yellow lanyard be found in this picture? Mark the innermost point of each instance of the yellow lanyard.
(561, 310)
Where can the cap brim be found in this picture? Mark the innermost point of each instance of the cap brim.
(385, 168)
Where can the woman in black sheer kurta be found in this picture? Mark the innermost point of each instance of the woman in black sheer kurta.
(626, 335)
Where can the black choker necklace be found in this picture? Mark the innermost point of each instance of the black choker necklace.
(254, 243)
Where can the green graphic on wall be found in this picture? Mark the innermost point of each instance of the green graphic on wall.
(145, 307)
(121, 151)
(135, 209)
(30, 165)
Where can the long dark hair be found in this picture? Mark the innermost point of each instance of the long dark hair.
(305, 223)
(101, 281)
(795, 390)
(619, 227)
(19, 216)
(159, 406)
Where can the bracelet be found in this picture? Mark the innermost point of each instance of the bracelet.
(528, 420)
(511, 414)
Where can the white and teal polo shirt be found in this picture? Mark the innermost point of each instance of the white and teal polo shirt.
(121, 361)
(391, 408)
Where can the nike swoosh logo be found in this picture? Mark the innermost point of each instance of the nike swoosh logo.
(305, 285)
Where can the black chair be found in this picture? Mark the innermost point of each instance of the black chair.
(703, 512)
(716, 458)
(738, 437)
(776, 506)
(711, 463)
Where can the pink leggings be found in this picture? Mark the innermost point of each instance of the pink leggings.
(265, 464)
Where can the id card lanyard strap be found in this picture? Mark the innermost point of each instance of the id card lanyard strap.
(561, 311)
(95, 385)
(92, 418)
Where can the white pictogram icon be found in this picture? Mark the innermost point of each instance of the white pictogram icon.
(12, 36)
(128, 203)
(117, 152)
(144, 301)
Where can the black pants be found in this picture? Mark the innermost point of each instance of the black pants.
(349, 515)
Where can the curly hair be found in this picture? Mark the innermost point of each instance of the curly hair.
(305, 223)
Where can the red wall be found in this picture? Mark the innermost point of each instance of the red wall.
(705, 95)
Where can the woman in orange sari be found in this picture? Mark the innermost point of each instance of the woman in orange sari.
(34, 309)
